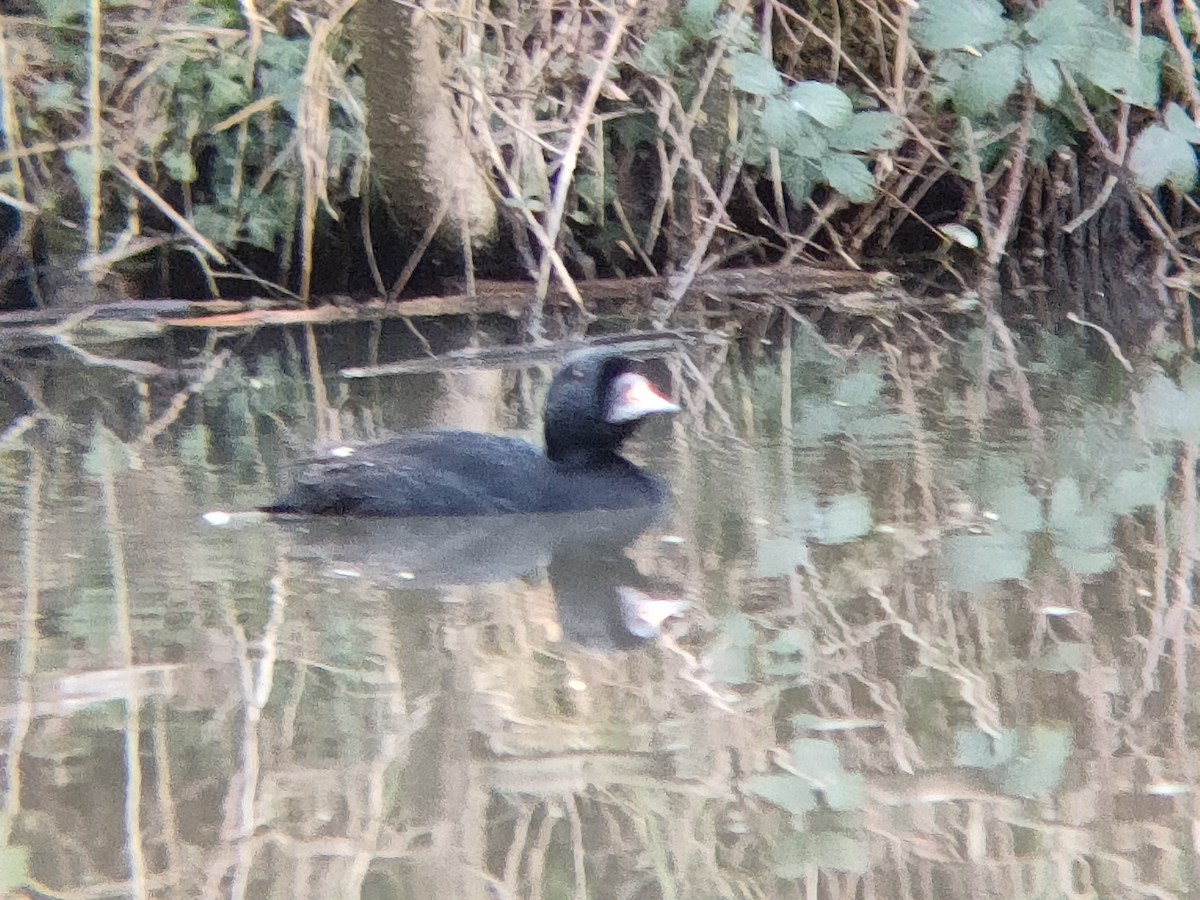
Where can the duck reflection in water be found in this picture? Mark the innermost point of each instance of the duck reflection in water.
(604, 601)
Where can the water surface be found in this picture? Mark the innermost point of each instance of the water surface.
(907, 630)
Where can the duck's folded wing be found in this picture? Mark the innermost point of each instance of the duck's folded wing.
(445, 473)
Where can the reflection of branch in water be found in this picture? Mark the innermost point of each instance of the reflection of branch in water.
(178, 402)
(133, 727)
(27, 642)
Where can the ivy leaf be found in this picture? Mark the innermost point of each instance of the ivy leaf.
(950, 24)
(1180, 123)
(849, 176)
(755, 74)
(989, 80)
(60, 96)
(80, 162)
(61, 12)
(824, 102)
(179, 165)
(698, 16)
(660, 54)
(1159, 156)
(868, 131)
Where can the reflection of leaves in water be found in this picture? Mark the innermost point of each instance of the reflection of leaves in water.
(821, 762)
(1172, 411)
(91, 615)
(791, 653)
(1083, 539)
(107, 454)
(795, 854)
(1039, 768)
(14, 867)
(789, 792)
(742, 653)
(838, 520)
(818, 774)
(193, 446)
(1025, 764)
(851, 402)
(729, 658)
(1063, 657)
(977, 560)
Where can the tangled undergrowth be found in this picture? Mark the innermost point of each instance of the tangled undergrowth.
(962, 143)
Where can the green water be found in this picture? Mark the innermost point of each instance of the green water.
(927, 634)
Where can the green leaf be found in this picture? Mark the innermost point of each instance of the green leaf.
(824, 102)
(755, 74)
(660, 54)
(225, 93)
(1122, 71)
(698, 16)
(849, 176)
(60, 96)
(1059, 20)
(215, 224)
(179, 165)
(868, 131)
(799, 176)
(1180, 123)
(788, 792)
(989, 80)
(61, 12)
(1042, 70)
(194, 446)
(79, 161)
(780, 123)
(1159, 156)
(949, 24)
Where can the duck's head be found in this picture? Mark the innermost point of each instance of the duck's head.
(596, 401)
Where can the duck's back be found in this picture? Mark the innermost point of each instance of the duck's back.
(460, 473)
(432, 473)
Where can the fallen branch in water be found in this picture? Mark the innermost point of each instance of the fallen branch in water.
(840, 292)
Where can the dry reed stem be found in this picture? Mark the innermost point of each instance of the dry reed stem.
(27, 645)
(570, 154)
(312, 124)
(10, 119)
(92, 198)
(201, 242)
